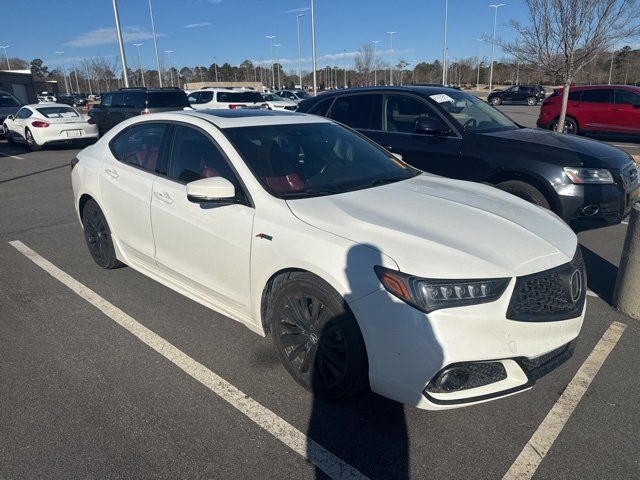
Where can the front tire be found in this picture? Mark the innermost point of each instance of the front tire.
(496, 101)
(525, 191)
(7, 135)
(31, 142)
(317, 338)
(98, 236)
(532, 101)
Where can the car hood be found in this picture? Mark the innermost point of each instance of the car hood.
(442, 228)
(570, 150)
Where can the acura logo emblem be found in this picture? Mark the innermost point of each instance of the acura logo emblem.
(575, 285)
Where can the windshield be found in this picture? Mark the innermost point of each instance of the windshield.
(272, 97)
(305, 160)
(473, 114)
(301, 94)
(244, 97)
(8, 100)
(57, 112)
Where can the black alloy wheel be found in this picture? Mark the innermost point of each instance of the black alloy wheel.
(98, 236)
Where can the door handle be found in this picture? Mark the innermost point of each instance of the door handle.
(163, 197)
(111, 172)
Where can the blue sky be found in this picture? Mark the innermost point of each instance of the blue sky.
(233, 30)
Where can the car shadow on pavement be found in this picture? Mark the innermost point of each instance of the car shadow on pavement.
(601, 274)
(66, 165)
(368, 431)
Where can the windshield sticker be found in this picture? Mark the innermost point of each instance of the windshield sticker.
(442, 97)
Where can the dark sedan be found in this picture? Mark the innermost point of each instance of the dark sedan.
(447, 132)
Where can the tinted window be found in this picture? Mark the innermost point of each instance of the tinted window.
(118, 100)
(107, 101)
(575, 96)
(8, 100)
(600, 95)
(205, 97)
(140, 145)
(24, 113)
(193, 97)
(299, 160)
(243, 97)
(175, 99)
(402, 112)
(357, 111)
(134, 100)
(57, 112)
(321, 107)
(194, 156)
(626, 97)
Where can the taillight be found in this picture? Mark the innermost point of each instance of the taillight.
(233, 106)
(145, 111)
(74, 162)
(91, 121)
(39, 124)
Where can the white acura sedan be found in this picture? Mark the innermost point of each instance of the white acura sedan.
(366, 272)
(44, 124)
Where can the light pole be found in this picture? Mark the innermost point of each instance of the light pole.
(299, 55)
(391, 56)
(375, 62)
(123, 58)
(493, 42)
(6, 57)
(155, 44)
(313, 48)
(611, 66)
(444, 48)
(64, 72)
(277, 64)
(77, 82)
(345, 68)
(86, 66)
(479, 64)
(169, 52)
(273, 65)
(138, 45)
(215, 68)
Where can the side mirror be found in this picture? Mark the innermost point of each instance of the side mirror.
(212, 189)
(10, 117)
(397, 155)
(431, 126)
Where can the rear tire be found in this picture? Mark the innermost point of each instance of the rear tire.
(317, 338)
(496, 101)
(98, 236)
(531, 101)
(570, 126)
(31, 142)
(525, 191)
(7, 135)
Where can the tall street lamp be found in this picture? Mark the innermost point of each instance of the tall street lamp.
(123, 58)
(64, 72)
(493, 43)
(479, 64)
(273, 66)
(6, 57)
(375, 62)
(155, 44)
(444, 48)
(277, 64)
(138, 45)
(391, 56)
(313, 48)
(299, 55)
(169, 52)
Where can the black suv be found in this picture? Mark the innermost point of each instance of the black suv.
(117, 106)
(454, 134)
(529, 94)
(70, 99)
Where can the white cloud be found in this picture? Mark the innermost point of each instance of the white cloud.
(197, 25)
(297, 10)
(107, 36)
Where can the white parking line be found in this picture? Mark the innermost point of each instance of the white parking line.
(293, 438)
(540, 443)
(591, 293)
(11, 156)
(625, 223)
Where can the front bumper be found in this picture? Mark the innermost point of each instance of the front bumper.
(407, 348)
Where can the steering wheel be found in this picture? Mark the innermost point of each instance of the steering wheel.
(470, 123)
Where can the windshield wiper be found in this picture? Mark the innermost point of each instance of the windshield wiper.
(377, 182)
(309, 192)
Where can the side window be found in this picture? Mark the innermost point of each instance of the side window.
(321, 107)
(193, 98)
(24, 113)
(194, 156)
(134, 100)
(107, 101)
(140, 146)
(600, 95)
(118, 100)
(205, 97)
(358, 111)
(402, 112)
(575, 95)
(626, 97)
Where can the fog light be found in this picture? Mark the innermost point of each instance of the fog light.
(590, 210)
(453, 379)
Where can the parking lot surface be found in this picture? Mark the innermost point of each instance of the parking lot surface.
(121, 377)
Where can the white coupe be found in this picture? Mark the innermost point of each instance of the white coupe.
(365, 271)
(47, 124)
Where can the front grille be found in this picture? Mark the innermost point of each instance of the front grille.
(556, 294)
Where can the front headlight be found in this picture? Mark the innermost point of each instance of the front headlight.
(588, 175)
(428, 294)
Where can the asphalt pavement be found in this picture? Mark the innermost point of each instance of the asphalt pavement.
(81, 396)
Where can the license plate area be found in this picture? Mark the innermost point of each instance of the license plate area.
(73, 133)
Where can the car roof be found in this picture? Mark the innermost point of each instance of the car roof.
(245, 117)
(421, 89)
(599, 87)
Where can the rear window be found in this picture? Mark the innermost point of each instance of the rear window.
(57, 112)
(240, 97)
(167, 100)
